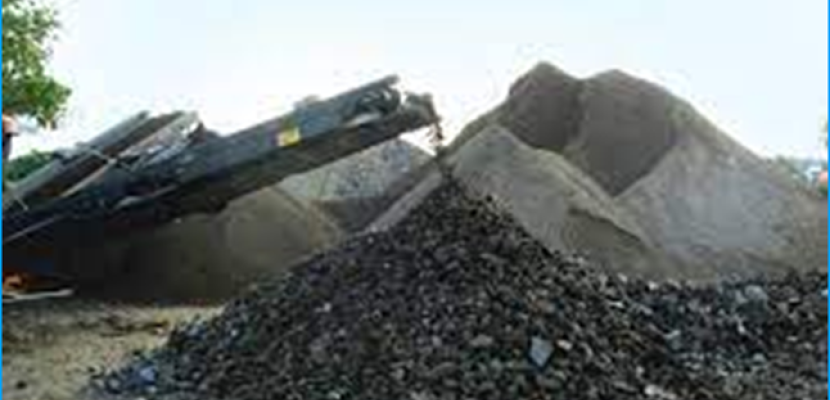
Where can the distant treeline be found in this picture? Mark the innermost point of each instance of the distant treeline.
(23, 166)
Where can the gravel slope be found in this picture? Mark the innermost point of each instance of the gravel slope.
(457, 301)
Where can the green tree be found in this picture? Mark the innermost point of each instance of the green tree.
(25, 165)
(29, 29)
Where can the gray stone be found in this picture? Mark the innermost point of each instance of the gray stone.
(656, 392)
(399, 374)
(148, 374)
(755, 293)
(422, 395)
(540, 351)
(545, 306)
(443, 369)
(673, 338)
(564, 345)
(482, 341)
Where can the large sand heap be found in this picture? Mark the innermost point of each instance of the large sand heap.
(209, 256)
(621, 169)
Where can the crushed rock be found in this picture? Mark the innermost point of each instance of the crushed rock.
(393, 314)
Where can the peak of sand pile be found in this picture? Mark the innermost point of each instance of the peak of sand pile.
(668, 190)
(613, 126)
(543, 107)
(457, 301)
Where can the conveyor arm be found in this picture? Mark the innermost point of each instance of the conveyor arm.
(209, 174)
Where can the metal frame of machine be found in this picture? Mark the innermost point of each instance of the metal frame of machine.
(140, 187)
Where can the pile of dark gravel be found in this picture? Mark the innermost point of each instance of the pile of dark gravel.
(457, 302)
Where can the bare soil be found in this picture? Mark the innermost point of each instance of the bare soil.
(51, 348)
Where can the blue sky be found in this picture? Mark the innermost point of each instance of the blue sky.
(758, 68)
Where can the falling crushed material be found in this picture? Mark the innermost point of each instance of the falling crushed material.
(457, 301)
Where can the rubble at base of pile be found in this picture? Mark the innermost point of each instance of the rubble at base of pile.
(457, 302)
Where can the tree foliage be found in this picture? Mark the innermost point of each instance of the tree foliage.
(29, 28)
(23, 166)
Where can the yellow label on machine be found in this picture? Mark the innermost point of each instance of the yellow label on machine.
(288, 137)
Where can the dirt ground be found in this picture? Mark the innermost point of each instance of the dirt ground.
(51, 348)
